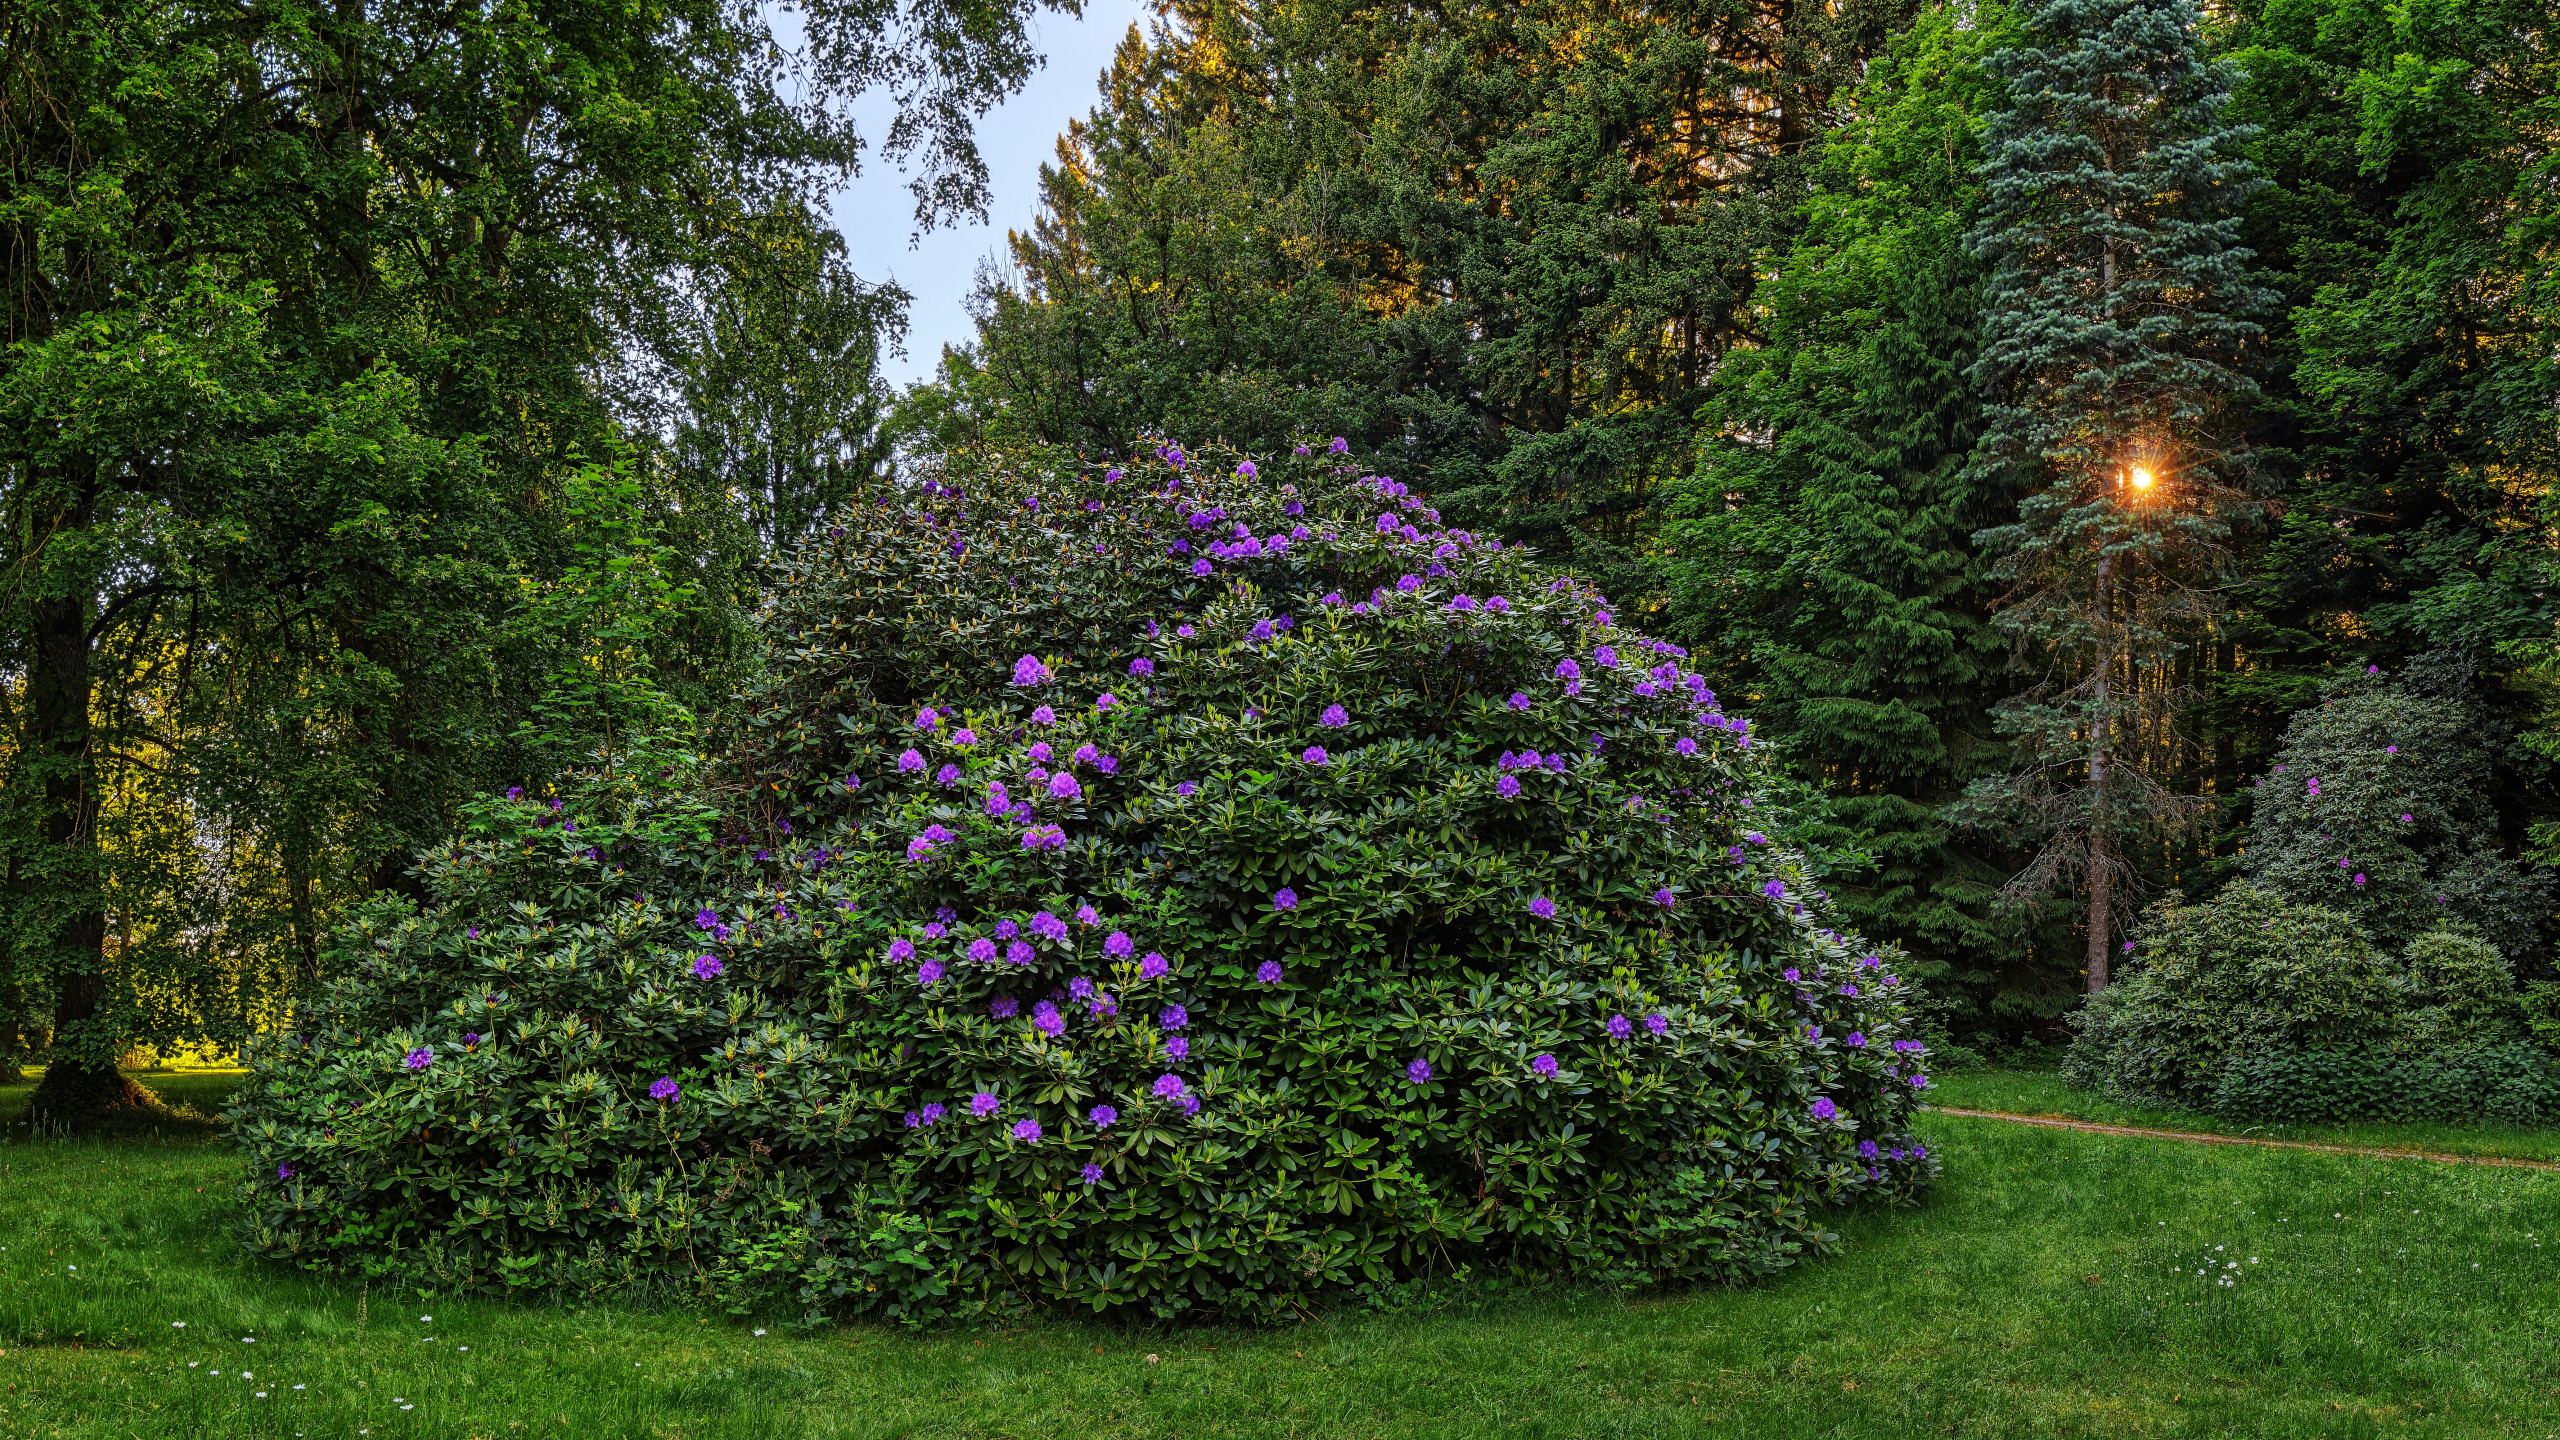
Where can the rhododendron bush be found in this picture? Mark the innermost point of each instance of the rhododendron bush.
(1190, 883)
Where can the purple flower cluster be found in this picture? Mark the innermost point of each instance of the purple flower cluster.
(706, 967)
(665, 1088)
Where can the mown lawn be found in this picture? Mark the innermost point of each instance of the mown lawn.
(2059, 1284)
(2041, 1092)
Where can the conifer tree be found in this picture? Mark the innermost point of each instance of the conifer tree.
(1881, 676)
(2112, 344)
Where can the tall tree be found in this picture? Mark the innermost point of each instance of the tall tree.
(304, 309)
(1503, 247)
(2112, 347)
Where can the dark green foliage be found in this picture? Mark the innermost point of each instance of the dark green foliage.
(1504, 247)
(2244, 972)
(2540, 1005)
(2378, 807)
(2515, 1083)
(1359, 942)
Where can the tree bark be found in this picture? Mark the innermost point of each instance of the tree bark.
(2101, 737)
(81, 1082)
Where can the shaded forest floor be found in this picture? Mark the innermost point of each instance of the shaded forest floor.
(2057, 1283)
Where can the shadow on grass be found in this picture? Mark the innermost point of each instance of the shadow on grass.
(188, 1109)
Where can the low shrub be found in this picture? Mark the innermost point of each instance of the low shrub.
(2512, 1082)
(2243, 973)
(1174, 886)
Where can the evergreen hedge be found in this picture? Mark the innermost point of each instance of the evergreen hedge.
(1192, 885)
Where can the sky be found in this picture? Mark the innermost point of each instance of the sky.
(877, 215)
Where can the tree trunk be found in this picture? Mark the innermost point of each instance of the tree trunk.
(2101, 737)
(81, 1082)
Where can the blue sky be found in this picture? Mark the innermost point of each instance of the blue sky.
(877, 215)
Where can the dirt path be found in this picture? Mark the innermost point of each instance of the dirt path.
(2058, 1123)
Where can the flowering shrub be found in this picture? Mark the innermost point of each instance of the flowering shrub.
(2377, 807)
(1358, 932)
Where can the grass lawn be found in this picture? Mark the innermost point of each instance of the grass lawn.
(2051, 1287)
(2041, 1092)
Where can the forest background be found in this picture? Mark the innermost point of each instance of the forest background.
(394, 415)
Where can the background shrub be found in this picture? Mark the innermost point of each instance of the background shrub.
(2377, 807)
(2511, 1082)
(2459, 993)
(2245, 972)
(1191, 884)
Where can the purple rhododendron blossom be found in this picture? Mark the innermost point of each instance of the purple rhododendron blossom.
(1177, 1048)
(1685, 745)
(665, 1088)
(1775, 890)
(1153, 967)
(929, 972)
(1092, 1173)
(1605, 656)
(420, 1058)
(1269, 972)
(1142, 666)
(1027, 1131)
(1334, 717)
(1004, 1007)
(1173, 1017)
(1519, 700)
(1044, 837)
(1043, 715)
(1063, 786)
(1663, 897)
(1658, 1023)
(909, 762)
(1029, 671)
(1823, 1109)
(1866, 1149)
(1117, 945)
(1542, 907)
(1314, 755)
(1620, 1027)
(1186, 788)
(1568, 670)
(963, 736)
(1018, 953)
(1508, 787)
(1418, 1073)
(1408, 583)
(1544, 1066)
(1284, 898)
(1169, 1087)
(1046, 1019)
(1104, 701)
(947, 775)
(983, 1104)
(982, 950)
(706, 967)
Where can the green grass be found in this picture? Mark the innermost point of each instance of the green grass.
(2049, 1289)
(2039, 1092)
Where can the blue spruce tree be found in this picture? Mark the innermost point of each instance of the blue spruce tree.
(2113, 342)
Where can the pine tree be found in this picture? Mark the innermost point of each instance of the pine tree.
(2112, 343)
